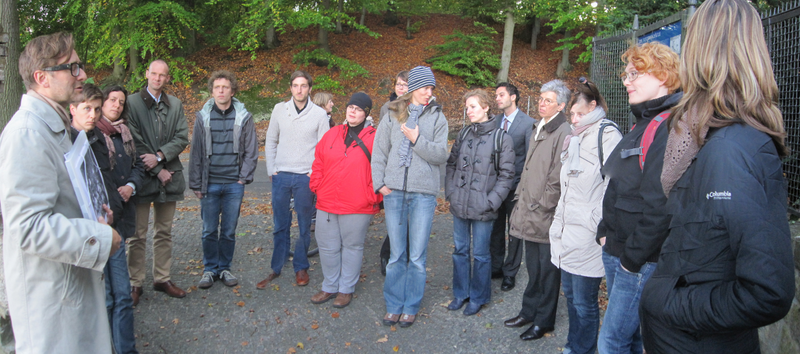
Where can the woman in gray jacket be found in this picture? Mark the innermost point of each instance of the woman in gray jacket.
(477, 182)
(410, 144)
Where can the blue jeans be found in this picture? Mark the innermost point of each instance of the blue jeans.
(584, 313)
(409, 217)
(478, 286)
(620, 331)
(220, 211)
(286, 185)
(119, 303)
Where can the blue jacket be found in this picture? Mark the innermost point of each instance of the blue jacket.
(726, 267)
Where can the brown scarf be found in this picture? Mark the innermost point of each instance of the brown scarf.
(59, 108)
(110, 128)
(682, 147)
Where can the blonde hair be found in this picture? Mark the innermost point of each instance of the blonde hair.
(731, 79)
(398, 109)
(322, 98)
(656, 59)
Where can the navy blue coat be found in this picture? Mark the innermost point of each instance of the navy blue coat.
(726, 267)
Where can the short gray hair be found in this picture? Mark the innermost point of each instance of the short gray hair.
(561, 90)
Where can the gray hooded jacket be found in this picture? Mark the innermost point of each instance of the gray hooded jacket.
(245, 145)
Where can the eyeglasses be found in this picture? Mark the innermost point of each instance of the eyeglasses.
(547, 101)
(401, 85)
(74, 68)
(630, 77)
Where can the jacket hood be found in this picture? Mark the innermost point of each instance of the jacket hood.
(241, 111)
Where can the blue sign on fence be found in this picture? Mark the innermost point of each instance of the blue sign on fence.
(668, 35)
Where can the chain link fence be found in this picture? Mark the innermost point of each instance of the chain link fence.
(782, 31)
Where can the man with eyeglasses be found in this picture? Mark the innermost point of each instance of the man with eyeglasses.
(295, 127)
(52, 256)
(158, 126)
(519, 126)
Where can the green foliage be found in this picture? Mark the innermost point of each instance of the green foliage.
(347, 68)
(470, 56)
(416, 26)
(180, 69)
(326, 83)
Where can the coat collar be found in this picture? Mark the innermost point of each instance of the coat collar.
(554, 123)
(149, 101)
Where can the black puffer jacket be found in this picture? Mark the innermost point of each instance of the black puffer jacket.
(634, 219)
(472, 185)
(726, 267)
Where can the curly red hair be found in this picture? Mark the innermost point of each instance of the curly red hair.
(658, 60)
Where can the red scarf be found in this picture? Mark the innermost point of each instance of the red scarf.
(110, 128)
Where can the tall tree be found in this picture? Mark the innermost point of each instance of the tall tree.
(508, 40)
(12, 86)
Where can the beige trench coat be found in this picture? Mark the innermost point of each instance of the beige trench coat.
(53, 258)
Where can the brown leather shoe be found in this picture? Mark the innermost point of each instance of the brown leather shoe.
(263, 284)
(136, 292)
(302, 277)
(321, 297)
(342, 300)
(170, 289)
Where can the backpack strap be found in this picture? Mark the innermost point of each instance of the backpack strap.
(361, 145)
(649, 135)
(497, 138)
(603, 125)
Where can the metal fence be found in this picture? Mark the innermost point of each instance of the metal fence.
(782, 31)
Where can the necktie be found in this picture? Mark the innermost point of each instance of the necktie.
(505, 124)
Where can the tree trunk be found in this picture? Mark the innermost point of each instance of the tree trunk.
(271, 40)
(118, 73)
(133, 59)
(563, 65)
(322, 36)
(408, 28)
(508, 39)
(390, 17)
(363, 14)
(537, 27)
(339, 22)
(12, 87)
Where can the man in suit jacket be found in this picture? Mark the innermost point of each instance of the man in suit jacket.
(519, 126)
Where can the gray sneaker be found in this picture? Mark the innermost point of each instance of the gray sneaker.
(206, 281)
(228, 279)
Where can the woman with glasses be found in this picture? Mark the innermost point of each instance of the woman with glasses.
(572, 234)
(341, 178)
(726, 267)
(476, 184)
(634, 222)
(400, 89)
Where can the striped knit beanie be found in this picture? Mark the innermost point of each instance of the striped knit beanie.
(420, 77)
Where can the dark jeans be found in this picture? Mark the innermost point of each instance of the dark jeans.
(540, 299)
(119, 303)
(472, 281)
(286, 185)
(497, 244)
(584, 312)
(220, 211)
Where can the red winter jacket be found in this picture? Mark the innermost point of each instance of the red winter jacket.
(341, 175)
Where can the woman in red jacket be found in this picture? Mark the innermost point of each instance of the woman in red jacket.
(342, 179)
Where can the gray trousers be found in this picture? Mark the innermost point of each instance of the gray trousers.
(340, 239)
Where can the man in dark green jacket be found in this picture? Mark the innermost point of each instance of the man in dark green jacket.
(159, 128)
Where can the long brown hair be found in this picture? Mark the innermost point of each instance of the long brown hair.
(398, 109)
(726, 72)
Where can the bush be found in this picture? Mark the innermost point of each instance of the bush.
(469, 56)
(347, 68)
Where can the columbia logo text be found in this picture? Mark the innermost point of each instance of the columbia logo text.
(719, 195)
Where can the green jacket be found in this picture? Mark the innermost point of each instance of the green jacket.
(152, 134)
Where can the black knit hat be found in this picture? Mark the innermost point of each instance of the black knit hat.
(361, 100)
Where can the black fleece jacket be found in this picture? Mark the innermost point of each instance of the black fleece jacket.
(635, 222)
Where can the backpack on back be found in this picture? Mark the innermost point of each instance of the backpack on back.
(647, 138)
(497, 148)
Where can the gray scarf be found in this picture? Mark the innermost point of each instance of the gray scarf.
(571, 148)
(414, 112)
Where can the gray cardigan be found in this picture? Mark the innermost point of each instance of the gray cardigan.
(429, 152)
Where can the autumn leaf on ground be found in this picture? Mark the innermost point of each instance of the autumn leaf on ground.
(176, 321)
(240, 304)
(275, 287)
(335, 315)
(291, 351)
(488, 325)
(396, 348)
(393, 328)
(346, 344)
(383, 340)
(314, 324)
(245, 343)
(300, 345)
